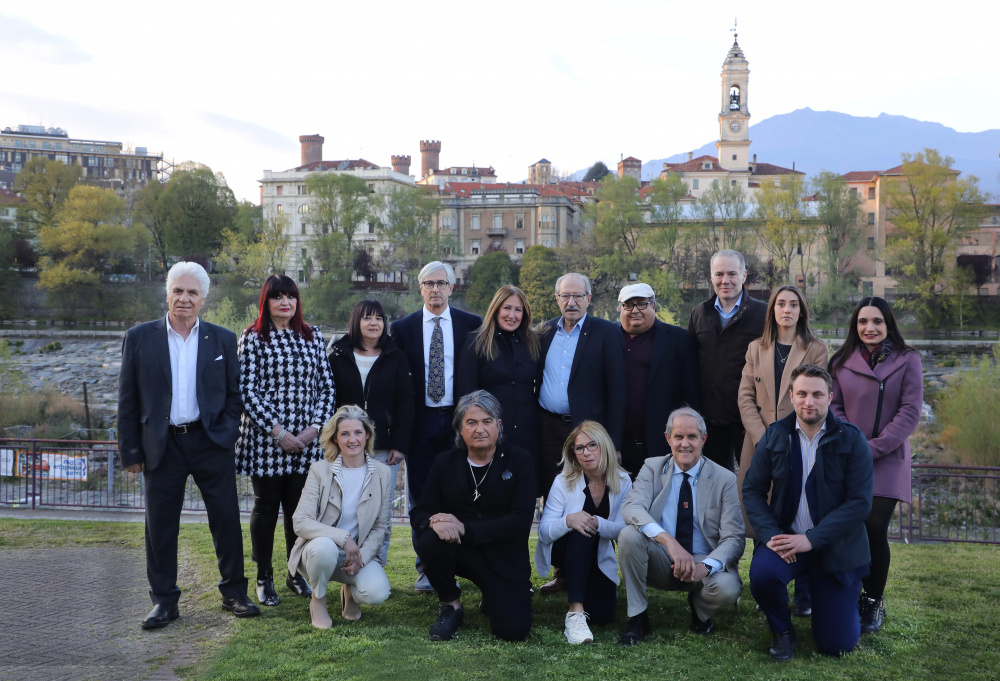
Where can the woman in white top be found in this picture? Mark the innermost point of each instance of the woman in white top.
(581, 521)
(342, 519)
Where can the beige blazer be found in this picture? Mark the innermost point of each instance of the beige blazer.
(760, 404)
(321, 504)
(719, 518)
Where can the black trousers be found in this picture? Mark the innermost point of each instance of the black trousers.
(877, 527)
(576, 555)
(269, 494)
(633, 456)
(214, 471)
(506, 599)
(724, 444)
(554, 431)
(433, 434)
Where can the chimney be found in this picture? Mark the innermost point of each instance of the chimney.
(312, 148)
(430, 156)
(401, 164)
(690, 155)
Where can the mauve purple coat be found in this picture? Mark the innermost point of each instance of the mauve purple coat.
(855, 398)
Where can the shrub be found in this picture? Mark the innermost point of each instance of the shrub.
(969, 411)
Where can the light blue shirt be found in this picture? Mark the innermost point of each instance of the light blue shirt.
(803, 520)
(669, 518)
(724, 317)
(554, 394)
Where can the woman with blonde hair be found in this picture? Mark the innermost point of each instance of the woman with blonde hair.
(764, 395)
(581, 521)
(342, 519)
(501, 357)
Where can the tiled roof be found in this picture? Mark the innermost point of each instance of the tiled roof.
(351, 164)
(860, 176)
(771, 169)
(694, 165)
(631, 158)
(457, 170)
(571, 190)
(544, 160)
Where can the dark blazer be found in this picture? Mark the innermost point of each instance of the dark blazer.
(597, 377)
(500, 524)
(511, 378)
(672, 383)
(408, 333)
(145, 388)
(387, 395)
(841, 484)
(722, 354)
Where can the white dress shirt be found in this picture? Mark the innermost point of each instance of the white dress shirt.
(803, 519)
(183, 375)
(449, 356)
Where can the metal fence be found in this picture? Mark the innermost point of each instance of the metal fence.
(950, 503)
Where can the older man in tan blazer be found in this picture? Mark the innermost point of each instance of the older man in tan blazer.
(684, 530)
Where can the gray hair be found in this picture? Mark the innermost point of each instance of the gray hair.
(582, 277)
(685, 411)
(728, 253)
(195, 270)
(432, 267)
(477, 398)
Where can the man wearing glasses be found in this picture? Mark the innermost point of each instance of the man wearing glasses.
(661, 374)
(431, 339)
(583, 362)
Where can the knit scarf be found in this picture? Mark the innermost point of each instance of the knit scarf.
(880, 354)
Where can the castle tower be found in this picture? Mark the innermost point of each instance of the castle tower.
(540, 172)
(430, 156)
(734, 117)
(630, 166)
(312, 148)
(401, 164)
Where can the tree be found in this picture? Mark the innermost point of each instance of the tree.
(488, 273)
(45, 186)
(341, 203)
(250, 258)
(539, 271)
(838, 211)
(151, 212)
(88, 242)
(199, 206)
(778, 224)
(597, 172)
(724, 210)
(930, 209)
(407, 229)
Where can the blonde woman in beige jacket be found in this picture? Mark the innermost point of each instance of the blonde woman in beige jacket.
(342, 519)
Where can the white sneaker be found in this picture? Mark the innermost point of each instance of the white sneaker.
(577, 630)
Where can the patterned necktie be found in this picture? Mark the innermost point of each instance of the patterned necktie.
(435, 368)
(685, 516)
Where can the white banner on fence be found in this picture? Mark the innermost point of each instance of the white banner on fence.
(54, 466)
(7, 462)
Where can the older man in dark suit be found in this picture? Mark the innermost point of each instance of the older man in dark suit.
(661, 374)
(178, 416)
(432, 339)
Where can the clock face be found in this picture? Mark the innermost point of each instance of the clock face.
(735, 126)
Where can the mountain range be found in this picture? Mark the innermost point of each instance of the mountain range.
(813, 141)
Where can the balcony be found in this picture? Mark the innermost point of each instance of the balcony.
(496, 231)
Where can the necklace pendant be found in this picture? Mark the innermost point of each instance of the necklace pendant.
(475, 495)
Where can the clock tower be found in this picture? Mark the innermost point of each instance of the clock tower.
(734, 118)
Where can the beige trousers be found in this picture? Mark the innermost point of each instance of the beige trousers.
(322, 561)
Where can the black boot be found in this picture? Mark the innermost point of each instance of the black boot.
(872, 611)
(265, 588)
(298, 584)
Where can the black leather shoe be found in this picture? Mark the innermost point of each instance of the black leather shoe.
(161, 615)
(802, 610)
(447, 623)
(299, 585)
(266, 593)
(699, 626)
(638, 629)
(783, 645)
(240, 605)
(872, 613)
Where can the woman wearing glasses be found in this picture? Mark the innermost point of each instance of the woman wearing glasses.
(371, 372)
(501, 357)
(581, 520)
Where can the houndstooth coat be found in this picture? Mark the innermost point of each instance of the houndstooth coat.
(286, 380)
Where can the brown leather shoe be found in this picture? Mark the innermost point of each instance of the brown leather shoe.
(556, 585)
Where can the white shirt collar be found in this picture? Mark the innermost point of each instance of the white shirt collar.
(170, 329)
(428, 315)
(798, 427)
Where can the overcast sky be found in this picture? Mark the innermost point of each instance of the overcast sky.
(233, 84)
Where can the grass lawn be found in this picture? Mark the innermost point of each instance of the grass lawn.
(943, 623)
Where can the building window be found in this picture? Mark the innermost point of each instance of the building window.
(694, 184)
(854, 192)
(497, 245)
(871, 218)
(519, 246)
(304, 256)
(734, 157)
(707, 165)
(371, 187)
(448, 223)
(302, 190)
(732, 182)
(280, 188)
(303, 229)
(303, 209)
(871, 192)
(281, 208)
(519, 221)
(475, 247)
(715, 184)
(498, 221)
(871, 243)
(475, 221)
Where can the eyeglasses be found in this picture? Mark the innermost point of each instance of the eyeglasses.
(571, 296)
(636, 306)
(440, 285)
(371, 318)
(590, 447)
